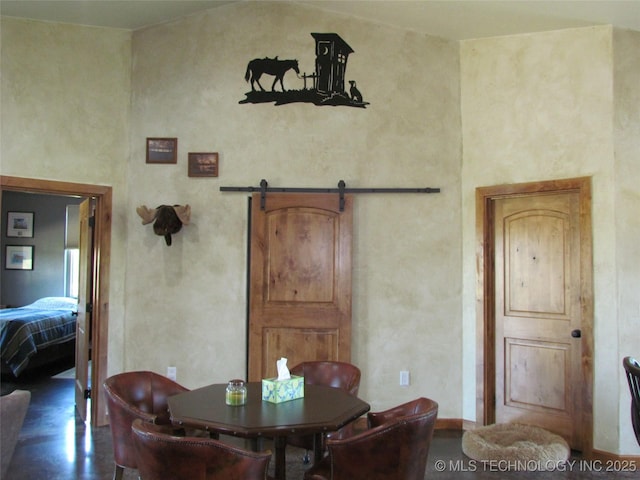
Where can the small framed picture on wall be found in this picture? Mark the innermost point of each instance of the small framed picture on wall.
(19, 257)
(20, 224)
(203, 164)
(162, 150)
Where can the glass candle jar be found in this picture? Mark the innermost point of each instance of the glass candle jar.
(236, 393)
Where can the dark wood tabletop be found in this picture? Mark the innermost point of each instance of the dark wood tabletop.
(322, 409)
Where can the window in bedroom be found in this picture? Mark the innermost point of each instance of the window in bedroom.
(71, 272)
(72, 251)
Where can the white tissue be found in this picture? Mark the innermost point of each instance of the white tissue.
(283, 371)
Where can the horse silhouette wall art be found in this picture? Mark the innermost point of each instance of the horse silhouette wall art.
(272, 66)
(326, 83)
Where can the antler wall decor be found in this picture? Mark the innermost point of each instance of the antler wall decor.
(168, 219)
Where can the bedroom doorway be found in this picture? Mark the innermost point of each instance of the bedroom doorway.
(98, 273)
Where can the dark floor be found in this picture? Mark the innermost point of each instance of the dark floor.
(55, 445)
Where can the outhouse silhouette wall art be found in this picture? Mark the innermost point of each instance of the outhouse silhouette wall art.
(325, 86)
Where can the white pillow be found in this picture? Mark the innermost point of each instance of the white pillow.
(55, 303)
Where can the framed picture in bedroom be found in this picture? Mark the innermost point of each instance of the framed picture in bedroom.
(19, 257)
(162, 150)
(20, 224)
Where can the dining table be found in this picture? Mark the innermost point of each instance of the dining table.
(321, 410)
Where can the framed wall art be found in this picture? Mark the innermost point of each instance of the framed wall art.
(19, 257)
(20, 224)
(162, 150)
(203, 164)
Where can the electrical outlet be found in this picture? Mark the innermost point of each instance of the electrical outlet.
(172, 373)
(404, 378)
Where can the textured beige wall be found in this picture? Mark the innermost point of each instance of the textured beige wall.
(65, 116)
(540, 107)
(186, 304)
(626, 45)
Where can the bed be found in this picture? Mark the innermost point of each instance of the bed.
(39, 333)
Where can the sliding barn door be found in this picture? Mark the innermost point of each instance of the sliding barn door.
(300, 281)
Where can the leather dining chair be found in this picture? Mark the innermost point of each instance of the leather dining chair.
(331, 374)
(394, 447)
(160, 455)
(632, 369)
(133, 395)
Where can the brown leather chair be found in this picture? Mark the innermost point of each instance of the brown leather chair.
(395, 447)
(160, 455)
(632, 369)
(133, 395)
(331, 374)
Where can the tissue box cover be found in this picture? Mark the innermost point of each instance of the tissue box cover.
(278, 391)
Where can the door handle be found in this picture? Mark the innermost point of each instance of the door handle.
(576, 333)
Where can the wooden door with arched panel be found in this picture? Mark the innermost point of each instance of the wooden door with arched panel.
(300, 281)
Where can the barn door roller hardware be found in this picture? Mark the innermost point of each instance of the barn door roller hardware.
(341, 190)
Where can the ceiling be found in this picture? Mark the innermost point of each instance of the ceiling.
(452, 19)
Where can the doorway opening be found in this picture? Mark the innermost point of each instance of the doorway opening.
(101, 254)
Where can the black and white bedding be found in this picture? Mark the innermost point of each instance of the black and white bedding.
(25, 331)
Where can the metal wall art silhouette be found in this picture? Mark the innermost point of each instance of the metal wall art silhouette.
(326, 86)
